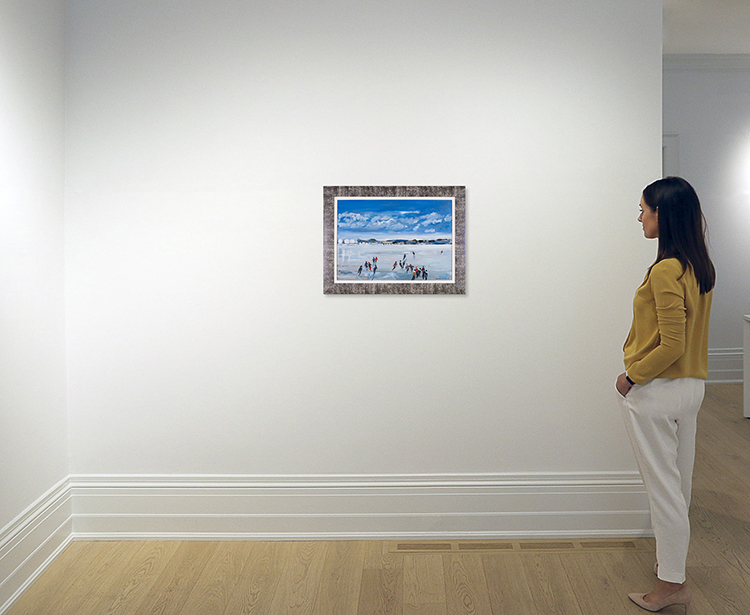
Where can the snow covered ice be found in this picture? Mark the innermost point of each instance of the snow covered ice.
(437, 259)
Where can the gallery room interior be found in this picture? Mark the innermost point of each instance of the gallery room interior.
(169, 364)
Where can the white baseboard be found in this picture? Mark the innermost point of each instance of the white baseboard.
(725, 366)
(359, 507)
(32, 541)
(707, 61)
(199, 507)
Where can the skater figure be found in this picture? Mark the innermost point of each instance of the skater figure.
(359, 273)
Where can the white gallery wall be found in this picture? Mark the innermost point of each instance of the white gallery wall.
(200, 345)
(707, 116)
(33, 431)
(33, 423)
(202, 353)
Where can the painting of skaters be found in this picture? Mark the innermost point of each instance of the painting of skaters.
(394, 240)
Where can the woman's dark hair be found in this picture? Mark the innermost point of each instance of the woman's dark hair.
(682, 228)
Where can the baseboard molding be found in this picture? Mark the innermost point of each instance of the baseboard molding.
(333, 507)
(32, 541)
(707, 61)
(359, 507)
(725, 366)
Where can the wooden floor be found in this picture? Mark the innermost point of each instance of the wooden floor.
(367, 578)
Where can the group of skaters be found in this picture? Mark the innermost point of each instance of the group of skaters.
(417, 273)
(369, 266)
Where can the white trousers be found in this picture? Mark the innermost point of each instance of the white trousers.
(660, 417)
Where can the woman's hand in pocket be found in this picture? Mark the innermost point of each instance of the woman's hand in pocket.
(622, 385)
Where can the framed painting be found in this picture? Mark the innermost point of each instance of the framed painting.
(394, 239)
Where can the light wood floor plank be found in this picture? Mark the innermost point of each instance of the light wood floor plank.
(705, 542)
(341, 579)
(700, 603)
(381, 592)
(719, 534)
(97, 585)
(550, 585)
(178, 579)
(47, 593)
(424, 584)
(591, 583)
(627, 572)
(260, 577)
(724, 592)
(147, 566)
(719, 474)
(465, 585)
(379, 557)
(424, 609)
(301, 577)
(507, 585)
(726, 403)
(735, 543)
(726, 443)
(216, 585)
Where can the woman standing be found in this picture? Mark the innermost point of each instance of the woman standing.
(666, 362)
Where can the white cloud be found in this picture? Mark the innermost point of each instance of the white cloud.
(432, 218)
(352, 220)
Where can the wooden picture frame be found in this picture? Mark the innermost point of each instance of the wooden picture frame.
(394, 240)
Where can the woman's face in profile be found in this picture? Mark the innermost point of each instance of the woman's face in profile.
(649, 218)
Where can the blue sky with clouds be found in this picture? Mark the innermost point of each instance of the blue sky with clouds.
(396, 218)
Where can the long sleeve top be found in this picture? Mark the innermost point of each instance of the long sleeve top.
(669, 334)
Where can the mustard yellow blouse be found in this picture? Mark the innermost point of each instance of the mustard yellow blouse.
(669, 334)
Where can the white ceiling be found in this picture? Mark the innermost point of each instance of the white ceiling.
(706, 26)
